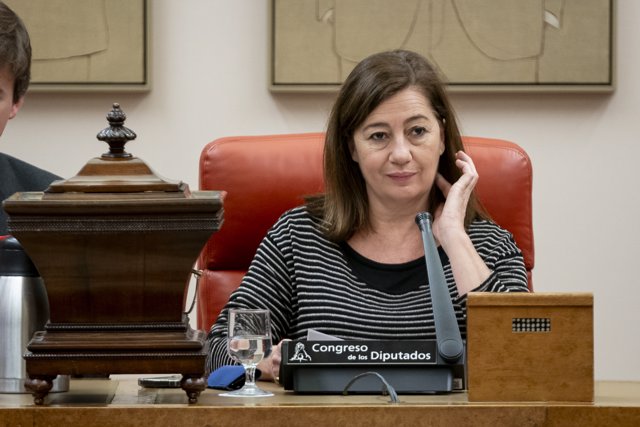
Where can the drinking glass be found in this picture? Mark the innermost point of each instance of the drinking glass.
(248, 342)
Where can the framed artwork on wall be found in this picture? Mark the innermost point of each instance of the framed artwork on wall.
(491, 45)
(87, 45)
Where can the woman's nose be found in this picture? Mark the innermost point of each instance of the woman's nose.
(400, 150)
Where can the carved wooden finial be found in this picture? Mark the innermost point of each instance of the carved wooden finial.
(116, 135)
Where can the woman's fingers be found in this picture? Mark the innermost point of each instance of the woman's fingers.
(276, 360)
(469, 175)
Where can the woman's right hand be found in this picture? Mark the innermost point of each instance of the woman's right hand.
(449, 216)
(270, 367)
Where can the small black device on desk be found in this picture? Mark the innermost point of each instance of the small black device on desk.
(170, 381)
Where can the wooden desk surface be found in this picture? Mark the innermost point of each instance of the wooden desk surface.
(120, 402)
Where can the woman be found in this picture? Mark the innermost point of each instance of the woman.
(350, 263)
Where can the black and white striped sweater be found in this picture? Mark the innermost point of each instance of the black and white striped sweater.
(306, 283)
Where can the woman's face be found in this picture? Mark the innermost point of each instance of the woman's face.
(398, 148)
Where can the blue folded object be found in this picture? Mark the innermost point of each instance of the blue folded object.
(227, 377)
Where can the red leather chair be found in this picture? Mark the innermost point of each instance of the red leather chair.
(266, 175)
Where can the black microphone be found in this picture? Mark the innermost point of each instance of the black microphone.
(448, 338)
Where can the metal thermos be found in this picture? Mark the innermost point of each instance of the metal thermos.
(24, 309)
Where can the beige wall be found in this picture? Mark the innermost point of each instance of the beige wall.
(209, 65)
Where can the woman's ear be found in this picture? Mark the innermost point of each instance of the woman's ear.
(353, 151)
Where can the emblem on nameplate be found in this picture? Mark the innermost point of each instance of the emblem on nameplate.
(300, 354)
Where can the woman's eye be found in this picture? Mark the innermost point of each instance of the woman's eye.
(418, 131)
(377, 136)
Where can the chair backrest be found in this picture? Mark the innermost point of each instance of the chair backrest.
(266, 175)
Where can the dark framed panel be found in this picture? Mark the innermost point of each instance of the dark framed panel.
(491, 45)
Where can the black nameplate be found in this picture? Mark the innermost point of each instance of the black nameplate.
(362, 352)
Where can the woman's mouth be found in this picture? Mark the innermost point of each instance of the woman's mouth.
(401, 176)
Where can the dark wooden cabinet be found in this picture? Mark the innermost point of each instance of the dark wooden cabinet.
(115, 245)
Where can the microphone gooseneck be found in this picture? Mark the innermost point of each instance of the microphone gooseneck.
(448, 338)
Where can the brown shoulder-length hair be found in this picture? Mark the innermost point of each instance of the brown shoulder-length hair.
(344, 207)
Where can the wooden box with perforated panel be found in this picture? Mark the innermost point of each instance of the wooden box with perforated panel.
(530, 347)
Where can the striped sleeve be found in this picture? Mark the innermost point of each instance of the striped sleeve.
(267, 284)
(499, 251)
